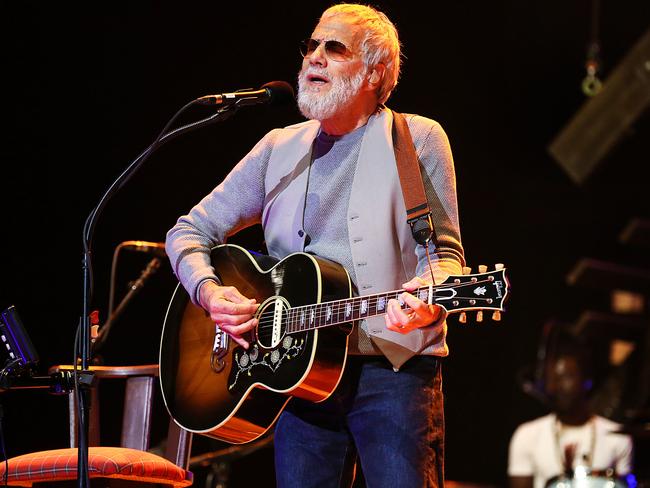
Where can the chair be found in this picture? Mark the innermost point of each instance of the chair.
(129, 465)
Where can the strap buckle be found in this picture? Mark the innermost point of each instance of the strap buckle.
(421, 228)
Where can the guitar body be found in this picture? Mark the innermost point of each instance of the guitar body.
(215, 387)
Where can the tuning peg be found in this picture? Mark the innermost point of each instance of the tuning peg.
(462, 318)
(496, 316)
(482, 268)
(467, 270)
(479, 316)
(498, 266)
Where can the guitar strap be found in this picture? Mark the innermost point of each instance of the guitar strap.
(418, 213)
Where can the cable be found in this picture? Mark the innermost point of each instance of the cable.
(111, 293)
(426, 248)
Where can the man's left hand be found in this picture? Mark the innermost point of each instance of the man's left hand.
(420, 314)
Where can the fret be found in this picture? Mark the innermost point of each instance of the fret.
(381, 303)
(347, 314)
(349, 309)
(289, 327)
(328, 313)
(372, 306)
(340, 307)
(310, 316)
(320, 316)
(356, 308)
(363, 310)
(423, 294)
(315, 316)
(377, 304)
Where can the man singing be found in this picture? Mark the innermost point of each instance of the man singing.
(329, 186)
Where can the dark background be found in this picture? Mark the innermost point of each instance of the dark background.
(89, 87)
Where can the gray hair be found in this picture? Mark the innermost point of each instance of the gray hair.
(379, 42)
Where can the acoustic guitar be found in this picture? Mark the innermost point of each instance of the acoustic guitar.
(213, 386)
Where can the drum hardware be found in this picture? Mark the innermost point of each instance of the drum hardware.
(583, 477)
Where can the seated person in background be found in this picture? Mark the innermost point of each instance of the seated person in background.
(571, 435)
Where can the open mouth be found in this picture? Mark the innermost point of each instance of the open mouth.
(317, 79)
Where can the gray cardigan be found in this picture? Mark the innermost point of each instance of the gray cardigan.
(268, 187)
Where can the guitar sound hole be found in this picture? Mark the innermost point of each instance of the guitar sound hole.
(272, 316)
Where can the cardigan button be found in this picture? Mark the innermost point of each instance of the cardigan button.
(301, 232)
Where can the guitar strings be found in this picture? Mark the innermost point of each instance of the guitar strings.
(356, 305)
(353, 305)
(387, 295)
(291, 323)
(354, 302)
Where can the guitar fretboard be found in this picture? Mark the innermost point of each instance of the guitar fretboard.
(309, 317)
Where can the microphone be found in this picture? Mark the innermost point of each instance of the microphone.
(274, 92)
(157, 248)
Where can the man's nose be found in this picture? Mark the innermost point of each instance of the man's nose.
(317, 56)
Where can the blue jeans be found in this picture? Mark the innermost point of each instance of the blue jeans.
(392, 423)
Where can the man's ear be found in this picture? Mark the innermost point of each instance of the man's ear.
(376, 75)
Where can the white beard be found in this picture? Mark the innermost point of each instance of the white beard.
(320, 106)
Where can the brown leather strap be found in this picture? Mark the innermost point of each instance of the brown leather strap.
(418, 213)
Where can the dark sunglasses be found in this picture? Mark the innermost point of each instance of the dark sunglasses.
(335, 50)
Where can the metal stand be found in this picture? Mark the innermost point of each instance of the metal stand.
(84, 322)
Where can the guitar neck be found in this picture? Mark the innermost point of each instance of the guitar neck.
(309, 317)
(481, 291)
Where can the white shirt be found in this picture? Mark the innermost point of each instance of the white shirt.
(534, 449)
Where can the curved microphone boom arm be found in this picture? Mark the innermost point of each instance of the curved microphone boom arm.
(163, 138)
(277, 92)
(88, 231)
(83, 405)
(122, 179)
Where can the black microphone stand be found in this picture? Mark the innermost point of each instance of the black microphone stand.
(83, 333)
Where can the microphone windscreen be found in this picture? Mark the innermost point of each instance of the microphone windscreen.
(281, 92)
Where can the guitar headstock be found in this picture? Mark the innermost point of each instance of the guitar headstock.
(485, 290)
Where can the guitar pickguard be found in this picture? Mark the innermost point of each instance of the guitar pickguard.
(249, 365)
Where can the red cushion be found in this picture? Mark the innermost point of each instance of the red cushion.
(103, 462)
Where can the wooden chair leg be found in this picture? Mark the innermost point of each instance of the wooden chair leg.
(179, 445)
(138, 405)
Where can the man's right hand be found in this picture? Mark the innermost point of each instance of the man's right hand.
(229, 309)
